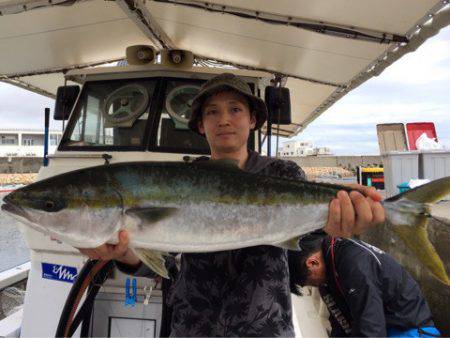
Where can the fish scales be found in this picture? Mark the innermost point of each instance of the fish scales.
(180, 180)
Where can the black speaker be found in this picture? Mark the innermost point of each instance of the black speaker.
(278, 103)
(65, 99)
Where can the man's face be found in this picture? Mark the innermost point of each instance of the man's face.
(226, 122)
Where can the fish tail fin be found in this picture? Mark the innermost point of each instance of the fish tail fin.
(154, 260)
(414, 234)
(416, 239)
(431, 192)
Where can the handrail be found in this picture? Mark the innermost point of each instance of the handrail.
(14, 275)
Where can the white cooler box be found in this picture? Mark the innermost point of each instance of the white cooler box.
(402, 166)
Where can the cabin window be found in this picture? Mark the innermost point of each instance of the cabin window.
(111, 114)
(32, 139)
(54, 139)
(9, 139)
(136, 115)
(173, 132)
(28, 142)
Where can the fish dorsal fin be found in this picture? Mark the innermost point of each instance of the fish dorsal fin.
(227, 164)
(428, 193)
(150, 214)
(154, 260)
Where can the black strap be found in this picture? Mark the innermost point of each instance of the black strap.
(335, 274)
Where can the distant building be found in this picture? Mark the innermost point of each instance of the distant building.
(302, 148)
(26, 142)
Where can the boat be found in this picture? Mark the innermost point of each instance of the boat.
(124, 73)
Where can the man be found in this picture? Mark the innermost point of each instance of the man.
(366, 291)
(240, 292)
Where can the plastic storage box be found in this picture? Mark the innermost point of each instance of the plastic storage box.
(399, 167)
(434, 164)
(391, 137)
(415, 129)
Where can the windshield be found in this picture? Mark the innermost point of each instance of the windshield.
(136, 114)
(112, 113)
(173, 134)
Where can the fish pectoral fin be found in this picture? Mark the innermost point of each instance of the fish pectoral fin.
(154, 260)
(290, 244)
(416, 239)
(150, 214)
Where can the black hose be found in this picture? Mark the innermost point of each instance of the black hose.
(86, 324)
(88, 273)
(85, 311)
(87, 267)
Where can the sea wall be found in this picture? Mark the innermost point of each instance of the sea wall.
(20, 164)
(346, 162)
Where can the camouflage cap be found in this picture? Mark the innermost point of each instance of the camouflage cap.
(224, 82)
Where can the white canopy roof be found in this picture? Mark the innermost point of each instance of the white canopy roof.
(324, 47)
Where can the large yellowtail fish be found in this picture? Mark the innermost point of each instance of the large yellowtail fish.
(201, 207)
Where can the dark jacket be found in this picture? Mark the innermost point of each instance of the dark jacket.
(368, 291)
(242, 292)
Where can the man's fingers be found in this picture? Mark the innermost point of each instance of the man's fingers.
(363, 211)
(378, 213)
(352, 213)
(88, 252)
(366, 191)
(334, 218)
(121, 248)
(347, 214)
(101, 252)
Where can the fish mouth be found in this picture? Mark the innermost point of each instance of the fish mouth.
(14, 209)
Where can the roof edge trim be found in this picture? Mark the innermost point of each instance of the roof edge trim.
(326, 28)
(16, 7)
(429, 25)
(24, 85)
(58, 69)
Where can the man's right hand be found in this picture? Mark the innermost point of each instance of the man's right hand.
(119, 252)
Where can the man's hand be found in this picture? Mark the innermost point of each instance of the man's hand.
(119, 252)
(355, 212)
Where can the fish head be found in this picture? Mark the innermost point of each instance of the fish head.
(75, 210)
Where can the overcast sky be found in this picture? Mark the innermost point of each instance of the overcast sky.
(415, 89)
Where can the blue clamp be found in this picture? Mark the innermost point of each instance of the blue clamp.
(130, 294)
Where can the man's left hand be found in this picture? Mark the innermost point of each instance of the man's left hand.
(355, 212)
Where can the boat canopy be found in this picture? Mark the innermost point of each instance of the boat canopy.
(319, 49)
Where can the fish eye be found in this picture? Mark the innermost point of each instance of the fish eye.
(49, 205)
(52, 205)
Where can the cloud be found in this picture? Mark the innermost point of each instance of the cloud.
(428, 64)
(414, 89)
(20, 108)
